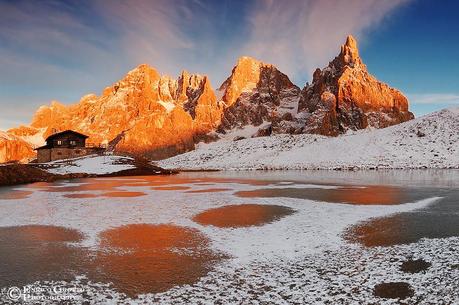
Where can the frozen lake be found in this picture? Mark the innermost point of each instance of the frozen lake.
(321, 237)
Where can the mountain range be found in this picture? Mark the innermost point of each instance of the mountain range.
(430, 141)
(158, 116)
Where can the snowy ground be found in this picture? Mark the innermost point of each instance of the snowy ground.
(300, 259)
(93, 164)
(431, 141)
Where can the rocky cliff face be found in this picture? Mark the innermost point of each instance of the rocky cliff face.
(145, 113)
(159, 116)
(345, 96)
(13, 148)
(255, 93)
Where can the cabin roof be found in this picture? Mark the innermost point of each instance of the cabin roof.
(57, 134)
(42, 147)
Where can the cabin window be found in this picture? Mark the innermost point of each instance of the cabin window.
(59, 142)
(72, 142)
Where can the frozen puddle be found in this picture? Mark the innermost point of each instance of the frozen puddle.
(142, 258)
(174, 240)
(242, 215)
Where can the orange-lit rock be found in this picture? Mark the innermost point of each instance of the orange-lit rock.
(257, 92)
(13, 148)
(145, 112)
(23, 131)
(159, 116)
(345, 96)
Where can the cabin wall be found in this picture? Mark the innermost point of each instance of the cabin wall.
(43, 155)
(53, 154)
(58, 153)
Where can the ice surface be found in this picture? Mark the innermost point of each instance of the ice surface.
(301, 258)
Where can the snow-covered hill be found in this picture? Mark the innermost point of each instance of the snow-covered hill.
(431, 141)
(92, 164)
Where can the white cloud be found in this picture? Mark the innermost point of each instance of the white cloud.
(434, 98)
(299, 36)
(58, 50)
(170, 35)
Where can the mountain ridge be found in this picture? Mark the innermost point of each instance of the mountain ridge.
(159, 116)
(430, 141)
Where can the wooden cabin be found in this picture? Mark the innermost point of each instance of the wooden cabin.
(65, 145)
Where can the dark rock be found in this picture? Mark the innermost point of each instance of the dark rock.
(420, 134)
(264, 132)
(256, 92)
(393, 290)
(415, 266)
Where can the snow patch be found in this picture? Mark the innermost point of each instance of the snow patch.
(91, 165)
(247, 131)
(37, 139)
(431, 141)
(169, 106)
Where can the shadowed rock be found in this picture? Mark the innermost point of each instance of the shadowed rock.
(415, 266)
(393, 290)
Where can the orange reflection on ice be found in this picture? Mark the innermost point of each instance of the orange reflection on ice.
(14, 194)
(385, 195)
(370, 195)
(123, 194)
(242, 215)
(143, 258)
(37, 252)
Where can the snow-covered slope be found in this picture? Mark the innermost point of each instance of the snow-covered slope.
(91, 165)
(431, 141)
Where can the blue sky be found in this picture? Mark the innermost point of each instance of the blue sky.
(62, 50)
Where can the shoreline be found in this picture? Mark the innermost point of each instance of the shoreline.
(17, 174)
(28, 173)
(357, 169)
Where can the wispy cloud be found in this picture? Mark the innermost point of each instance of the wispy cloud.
(62, 50)
(149, 30)
(300, 36)
(434, 98)
(172, 35)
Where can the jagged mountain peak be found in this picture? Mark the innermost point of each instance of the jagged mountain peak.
(349, 54)
(142, 68)
(256, 93)
(246, 63)
(248, 74)
(160, 115)
(345, 96)
(251, 61)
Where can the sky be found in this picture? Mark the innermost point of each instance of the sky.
(62, 50)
